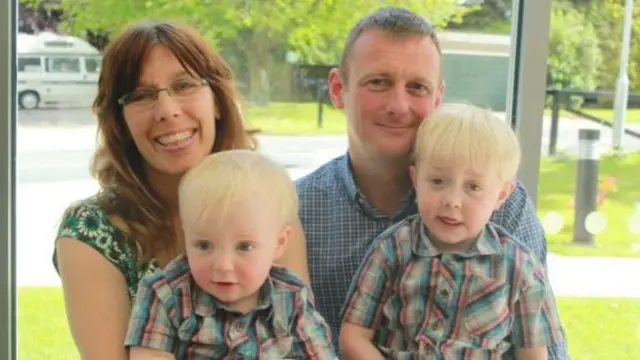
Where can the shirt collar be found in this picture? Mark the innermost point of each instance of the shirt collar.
(206, 304)
(345, 174)
(487, 243)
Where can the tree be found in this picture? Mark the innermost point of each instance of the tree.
(574, 55)
(486, 16)
(607, 17)
(251, 30)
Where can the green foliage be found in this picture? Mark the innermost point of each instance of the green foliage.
(487, 16)
(574, 55)
(315, 29)
(253, 35)
(607, 17)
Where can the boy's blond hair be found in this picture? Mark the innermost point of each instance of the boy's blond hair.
(221, 179)
(467, 135)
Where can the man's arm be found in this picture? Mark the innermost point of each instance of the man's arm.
(518, 217)
(537, 326)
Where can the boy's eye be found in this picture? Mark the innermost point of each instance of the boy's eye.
(245, 246)
(474, 187)
(203, 245)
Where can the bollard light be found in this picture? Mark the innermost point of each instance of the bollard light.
(586, 186)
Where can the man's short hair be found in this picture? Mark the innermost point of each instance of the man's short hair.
(394, 20)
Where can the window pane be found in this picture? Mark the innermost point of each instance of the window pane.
(92, 64)
(63, 65)
(29, 64)
(588, 193)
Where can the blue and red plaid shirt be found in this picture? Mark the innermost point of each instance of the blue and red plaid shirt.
(478, 304)
(172, 314)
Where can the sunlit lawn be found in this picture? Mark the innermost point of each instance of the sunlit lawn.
(295, 119)
(301, 118)
(601, 329)
(43, 332)
(632, 115)
(557, 187)
(597, 329)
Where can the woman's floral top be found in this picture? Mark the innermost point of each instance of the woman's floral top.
(87, 222)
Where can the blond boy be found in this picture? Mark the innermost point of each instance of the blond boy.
(225, 299)
(447, 283)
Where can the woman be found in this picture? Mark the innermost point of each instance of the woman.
(165, 100)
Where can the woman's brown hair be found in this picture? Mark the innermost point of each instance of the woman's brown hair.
(126, 195)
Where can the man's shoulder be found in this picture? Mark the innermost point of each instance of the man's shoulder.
(517, 205)
(324, 177)
(514, 249)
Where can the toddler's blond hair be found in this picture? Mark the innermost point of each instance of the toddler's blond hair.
(467, 135)
(221, 179)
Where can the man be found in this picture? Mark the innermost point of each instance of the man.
(389, 79)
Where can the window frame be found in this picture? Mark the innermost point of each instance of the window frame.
(8, 97)
(525, 108)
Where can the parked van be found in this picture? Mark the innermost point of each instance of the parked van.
(56, 69)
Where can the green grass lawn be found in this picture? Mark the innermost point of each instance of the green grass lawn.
(301, 118)
(557, 187)
(296, 119)
(632, 115)
(601, 329)
(597, 329)
(43, 332)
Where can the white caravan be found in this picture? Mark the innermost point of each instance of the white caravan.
(56, 70)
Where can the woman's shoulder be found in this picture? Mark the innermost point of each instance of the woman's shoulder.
(88, 221)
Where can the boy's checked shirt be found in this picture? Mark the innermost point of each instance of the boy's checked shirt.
(172, 314)
(474, 305)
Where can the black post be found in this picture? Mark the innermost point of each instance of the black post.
(319, 95)
(586, 195)
(555, 117)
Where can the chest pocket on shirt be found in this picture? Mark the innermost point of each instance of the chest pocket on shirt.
(201, 340)
(486, 317)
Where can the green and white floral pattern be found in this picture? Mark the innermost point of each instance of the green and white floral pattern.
(88, 223)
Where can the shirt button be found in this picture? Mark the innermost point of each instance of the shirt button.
(236, 330)
(444, 293)
(436, 326)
